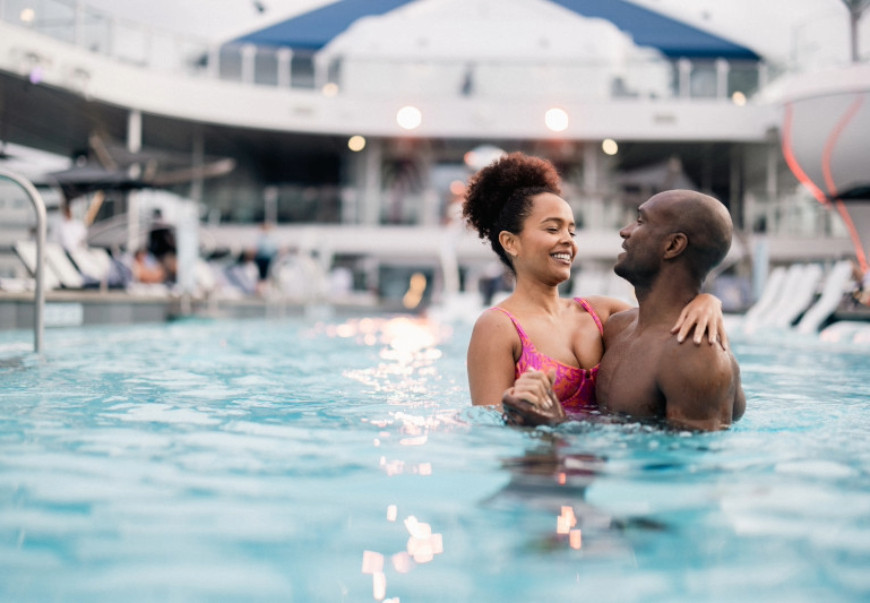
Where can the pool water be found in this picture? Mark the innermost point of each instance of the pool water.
(339, 460)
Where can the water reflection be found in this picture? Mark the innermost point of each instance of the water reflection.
(551, 478)
(409, 350)
(421, 547)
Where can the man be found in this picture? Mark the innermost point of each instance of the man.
(679, 236)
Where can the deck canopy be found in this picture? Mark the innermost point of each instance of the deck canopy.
(317, 28)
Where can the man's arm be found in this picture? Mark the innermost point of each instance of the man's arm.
(701, 387)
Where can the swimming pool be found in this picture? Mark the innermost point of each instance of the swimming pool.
(339, 460)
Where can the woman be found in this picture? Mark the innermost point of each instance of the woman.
(515, 203)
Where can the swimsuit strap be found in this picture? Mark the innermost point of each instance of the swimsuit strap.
(588, 307)
(523, 337)
(583, 303)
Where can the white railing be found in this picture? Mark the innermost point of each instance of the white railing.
(74, 22)
(39, 294)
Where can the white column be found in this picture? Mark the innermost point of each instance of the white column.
(77, 20)
(214, 62)
(133, 238)
(134, 145)
(196, 184)
(285, 62)
(684, 75)
(772, 171)
(594, 208)
(187, 228)
(249, 56)
(134, 131)
(722, 70)
(372, 195)
(321, 69)
(735, 199)
(763, 75)
(270, 204)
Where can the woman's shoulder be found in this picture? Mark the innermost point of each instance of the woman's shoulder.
(494, 330)
(493, 319)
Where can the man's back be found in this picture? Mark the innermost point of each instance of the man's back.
(647, 374)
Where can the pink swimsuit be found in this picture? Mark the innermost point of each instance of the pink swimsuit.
(575, 387)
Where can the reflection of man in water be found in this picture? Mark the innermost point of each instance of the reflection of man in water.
(679, 236)
(553, 479)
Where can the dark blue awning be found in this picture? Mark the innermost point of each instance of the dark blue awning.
(649, 28)
(315, 29)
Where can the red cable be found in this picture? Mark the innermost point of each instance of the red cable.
(832, 187)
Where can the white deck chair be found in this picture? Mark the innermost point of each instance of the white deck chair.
(68, 275)
(836, 284)
(26, 252)
(794, 276)
(93, 262)
(769, 297)
(799, 297)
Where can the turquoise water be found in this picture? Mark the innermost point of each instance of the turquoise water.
(305, 461)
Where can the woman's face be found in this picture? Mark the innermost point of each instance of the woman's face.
(546, 245)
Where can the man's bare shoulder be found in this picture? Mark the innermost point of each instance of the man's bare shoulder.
(694, 362)
(701, 384)
(618, 322)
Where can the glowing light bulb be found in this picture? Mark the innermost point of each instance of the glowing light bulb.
(556, 119)
(356, 143)
(409, 117)
(609, 146)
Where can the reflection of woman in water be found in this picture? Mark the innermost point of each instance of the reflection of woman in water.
(515, 203)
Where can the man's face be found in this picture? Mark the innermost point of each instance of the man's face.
(642, 239)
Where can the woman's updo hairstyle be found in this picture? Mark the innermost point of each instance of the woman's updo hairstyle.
(499, 197)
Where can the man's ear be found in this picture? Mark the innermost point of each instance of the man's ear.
(675, 244)
(508, 242)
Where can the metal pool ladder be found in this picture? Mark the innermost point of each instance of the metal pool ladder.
(39, 297)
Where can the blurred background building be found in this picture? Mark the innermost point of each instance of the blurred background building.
(350, 127)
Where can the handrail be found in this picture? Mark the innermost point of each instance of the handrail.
(39, 298)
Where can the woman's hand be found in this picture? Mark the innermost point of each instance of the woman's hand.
(531, 401)
(704, 313)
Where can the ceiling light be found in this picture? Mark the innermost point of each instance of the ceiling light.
(556, 119)
(409, 117)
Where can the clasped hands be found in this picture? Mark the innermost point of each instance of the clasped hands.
(531, 401)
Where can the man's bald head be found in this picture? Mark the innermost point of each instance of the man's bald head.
(705, 222)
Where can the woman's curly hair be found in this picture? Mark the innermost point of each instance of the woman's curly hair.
(499, 197)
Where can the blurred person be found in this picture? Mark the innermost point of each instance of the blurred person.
(861, 289)
(162, 245)
(243, 274)
(265, 252)
(146, 268)
(515, 204)
(71, 233)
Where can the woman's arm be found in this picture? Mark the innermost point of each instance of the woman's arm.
(491, 365)
(704, 313)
